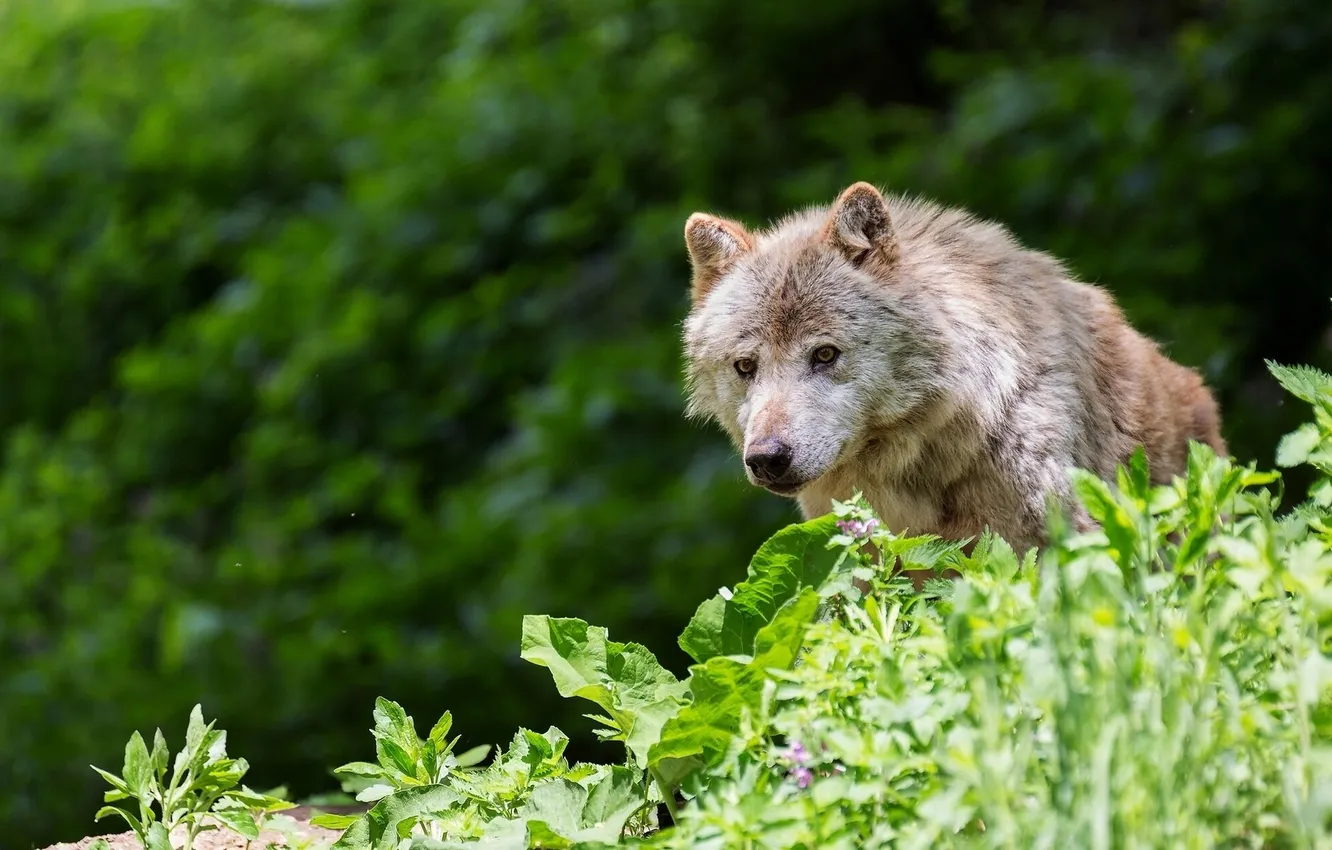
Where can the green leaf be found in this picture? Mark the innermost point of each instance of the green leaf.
(106, 811)
(1136, 482)
(240, 821)
(1321, 492)
(158, 838)
(474, 756)
(360, 768)
(138, 770)
(794, 558)
(1304, 382)
(703, 637)
(332, 821)
(624, 679)
(195, 730)
(378, 828)
(202, 744)
(116, 782)
(1295, 448)
(563, 814)
(584, 663)
(439, 733)
(256, 801)
(611, 802)
(1103, 507)
(159, 757)
(374, 793)
(725, 686)
(541, 748)
(393, 724)
(394, 757)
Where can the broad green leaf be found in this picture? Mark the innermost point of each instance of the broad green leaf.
(794, 558)
(158, 838)
(394, 757)
(538, 749)
(624, 679)
(778, 643)
(221, 774)
(703, 637)
(584, 663)
(393, 724)
(645, 728)
(377, 829)
(563, 814)
(725, 686)
(611, 802)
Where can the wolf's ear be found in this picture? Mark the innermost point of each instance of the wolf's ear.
(860, 227)
(714, 245)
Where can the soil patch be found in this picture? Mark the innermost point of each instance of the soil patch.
(295, 832)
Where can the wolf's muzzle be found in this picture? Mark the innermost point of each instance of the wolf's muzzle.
(768, 460)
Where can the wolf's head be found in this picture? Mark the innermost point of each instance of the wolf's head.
(804, 339)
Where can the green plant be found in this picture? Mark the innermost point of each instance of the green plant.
(204, 783)
(1159, 681)
(288, 290)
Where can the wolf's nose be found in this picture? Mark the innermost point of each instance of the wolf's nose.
(769, 459)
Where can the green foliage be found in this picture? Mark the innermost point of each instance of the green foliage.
(527, 790)
(336, 336)
(1311, 443)
(1127, 687)
(204, 784)
(794, 559)
(624, 680)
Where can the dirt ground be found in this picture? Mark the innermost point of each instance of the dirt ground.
(224, 839)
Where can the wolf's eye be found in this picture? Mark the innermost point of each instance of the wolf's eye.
(825, 355)
(745, 367)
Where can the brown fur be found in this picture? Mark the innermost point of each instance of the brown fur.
(972, 372)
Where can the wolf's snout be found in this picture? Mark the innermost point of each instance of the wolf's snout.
(768, 459)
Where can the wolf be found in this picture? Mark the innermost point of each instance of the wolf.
(925, 357)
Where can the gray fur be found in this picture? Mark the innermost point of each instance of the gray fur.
(973, 372)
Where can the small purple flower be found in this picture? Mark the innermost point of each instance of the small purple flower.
(799, 753)
(858, 528)
(803, 776)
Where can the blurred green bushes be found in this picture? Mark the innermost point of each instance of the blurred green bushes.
(335, 336)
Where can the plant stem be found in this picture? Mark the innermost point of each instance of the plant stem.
(668, 795)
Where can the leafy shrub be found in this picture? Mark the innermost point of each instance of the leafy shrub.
(204, 783)
(1161, 681)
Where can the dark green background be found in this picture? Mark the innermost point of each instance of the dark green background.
(336, 336)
